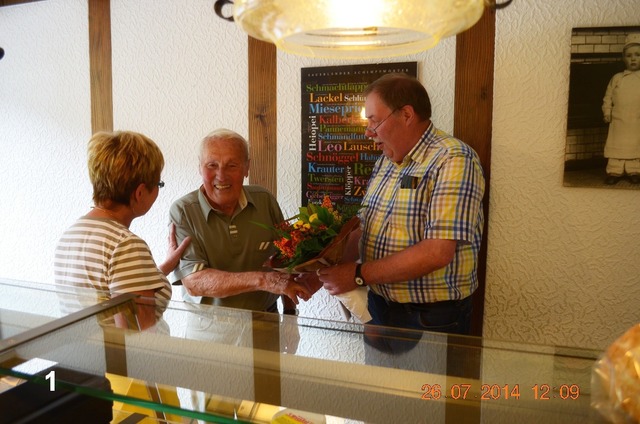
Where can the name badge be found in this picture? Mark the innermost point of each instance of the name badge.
(409, 181)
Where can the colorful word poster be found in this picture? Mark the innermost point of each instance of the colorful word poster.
(337, 158)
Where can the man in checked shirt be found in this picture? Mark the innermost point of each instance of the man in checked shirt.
(421, 218)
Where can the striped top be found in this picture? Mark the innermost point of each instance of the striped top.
(435, 193)
(105, 255)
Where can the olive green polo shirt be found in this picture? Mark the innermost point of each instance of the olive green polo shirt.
(233, 244)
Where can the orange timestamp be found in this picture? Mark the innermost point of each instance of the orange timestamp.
(496, 391)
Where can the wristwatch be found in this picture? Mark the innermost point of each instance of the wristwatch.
(359, 280)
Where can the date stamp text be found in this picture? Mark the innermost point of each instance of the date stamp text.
(497, 391)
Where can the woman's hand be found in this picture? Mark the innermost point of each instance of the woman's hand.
(175, 252)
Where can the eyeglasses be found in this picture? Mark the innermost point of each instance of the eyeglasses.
(161, 184)
(373, 130)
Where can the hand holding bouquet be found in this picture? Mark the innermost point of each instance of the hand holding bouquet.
(314, 239)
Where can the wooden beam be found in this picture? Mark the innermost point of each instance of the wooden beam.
(12, 2)
(100, 65)
(263, 149)
(263, 142)
(473, 116)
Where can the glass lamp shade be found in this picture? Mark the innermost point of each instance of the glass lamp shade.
(355, 28)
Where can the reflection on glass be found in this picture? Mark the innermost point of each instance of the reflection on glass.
(218, 364)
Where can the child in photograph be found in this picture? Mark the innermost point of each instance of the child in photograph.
(621, 108)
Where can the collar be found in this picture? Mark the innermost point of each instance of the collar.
(206, 208)
(419, 152)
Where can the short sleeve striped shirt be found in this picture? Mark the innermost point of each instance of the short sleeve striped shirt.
(435, 193)
(105, 255)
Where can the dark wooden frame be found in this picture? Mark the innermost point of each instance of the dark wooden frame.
(473, 121)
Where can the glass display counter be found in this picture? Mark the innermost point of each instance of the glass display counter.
(25, 306)
(205, 363)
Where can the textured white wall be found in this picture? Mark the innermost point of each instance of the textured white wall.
(178, 73)
(563, 262)
(45, 122)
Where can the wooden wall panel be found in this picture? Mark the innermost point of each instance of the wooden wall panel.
(100, 65)
(263, 114)
(473, 117)
(263, 144)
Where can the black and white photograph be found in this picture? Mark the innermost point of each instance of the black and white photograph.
(603, 123)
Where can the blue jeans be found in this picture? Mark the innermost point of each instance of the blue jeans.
(398, 319)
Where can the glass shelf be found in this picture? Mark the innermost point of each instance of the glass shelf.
(228, 365)
(25, 305)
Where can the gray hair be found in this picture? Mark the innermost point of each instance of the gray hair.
(225, 134)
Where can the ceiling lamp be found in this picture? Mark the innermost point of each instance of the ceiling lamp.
(355, 28)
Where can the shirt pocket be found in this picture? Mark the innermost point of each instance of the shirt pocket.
(410, 204)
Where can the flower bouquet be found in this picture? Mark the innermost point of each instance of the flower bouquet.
(315, 239)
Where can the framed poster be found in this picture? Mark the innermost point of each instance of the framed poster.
(337, 158)
(593, 132)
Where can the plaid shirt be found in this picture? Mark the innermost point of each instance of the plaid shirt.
(436, 193)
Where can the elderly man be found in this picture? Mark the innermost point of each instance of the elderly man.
(224, 264)
(421, 218)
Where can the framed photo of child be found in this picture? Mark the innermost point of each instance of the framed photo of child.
(603, 124)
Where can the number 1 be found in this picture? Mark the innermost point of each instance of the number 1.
(52, 380)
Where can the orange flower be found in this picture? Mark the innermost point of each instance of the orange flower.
(326, 203)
